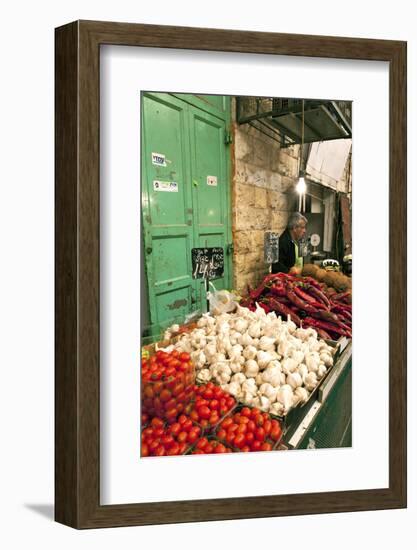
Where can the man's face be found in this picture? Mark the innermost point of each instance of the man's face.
(300, 231)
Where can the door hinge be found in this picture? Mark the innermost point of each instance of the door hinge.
(228, 138)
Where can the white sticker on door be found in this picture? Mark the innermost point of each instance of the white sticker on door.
(158, 159)
(168, 186)
(212, 180)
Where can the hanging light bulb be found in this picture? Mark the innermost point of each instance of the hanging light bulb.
(300, 186)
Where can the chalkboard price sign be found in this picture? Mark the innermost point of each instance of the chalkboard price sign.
(271, 247)
(207, 263)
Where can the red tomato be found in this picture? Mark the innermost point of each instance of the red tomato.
(187, 425)
(221, 434)
(208, 448)
(144, 450)
(260, 421)
(230, 437)
(192, 436)
(256, 446)
(158, 432)
(267, 427)
(182, 436)
(160, 451)
(148, 431)
(266, 446)
(177, 389)
(208, 393)
(184, 356)
(214, 405)
(182, 418)
(175, 428)
(220, 448)
(170, 404)
(171, 415)
(173, 450)
(230, 402)
(157, 422)
(167, 441)
(260, 434)
(275, 434)
(203, 412)
(245, 412)
(194, 415)
(226, 422)
(249, 438)
(217, 392)
(245, 449)
(165, 395)
(204, 423)
(153, 445)
(239, 441)
(183, 448)
(251, 426)
(202, 442)
(198, 452)
(242, 428)
(214, 418)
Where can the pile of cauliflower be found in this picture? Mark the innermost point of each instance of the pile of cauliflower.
(257, 357)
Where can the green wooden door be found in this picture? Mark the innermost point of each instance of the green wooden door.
(185, 201)
(211, 205)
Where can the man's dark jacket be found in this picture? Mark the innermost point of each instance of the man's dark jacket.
(286, 258)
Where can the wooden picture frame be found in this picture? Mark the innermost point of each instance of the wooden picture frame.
(77, 359)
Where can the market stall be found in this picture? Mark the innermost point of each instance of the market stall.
(269, 371)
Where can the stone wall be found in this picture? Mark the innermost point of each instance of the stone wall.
(263, 181)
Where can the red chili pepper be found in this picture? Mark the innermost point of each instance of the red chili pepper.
(278, 289)
(307, 298)
(325, 316)
(313, 282)
(257, 292)
(298, 302)
(283, 310)
(318, 294)
(328, 327)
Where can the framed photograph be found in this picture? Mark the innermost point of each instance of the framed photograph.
(230, 274)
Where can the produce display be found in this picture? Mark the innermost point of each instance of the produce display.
(167, 384)
(304, 300)
(249, 430)
(162, 439)
(210, 405)
(223, 431)
(257, 357)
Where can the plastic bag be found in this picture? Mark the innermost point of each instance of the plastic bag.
(222, 301)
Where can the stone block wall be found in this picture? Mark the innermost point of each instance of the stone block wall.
(263, 179)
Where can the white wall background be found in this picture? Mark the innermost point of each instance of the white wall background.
(27, 272)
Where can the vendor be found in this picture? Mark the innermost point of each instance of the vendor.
(289, 259)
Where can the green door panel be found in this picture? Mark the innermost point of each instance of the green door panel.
(211, 203)
(167, 227)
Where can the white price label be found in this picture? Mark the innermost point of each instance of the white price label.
(158, 159)
(212, 180)
(167, 186)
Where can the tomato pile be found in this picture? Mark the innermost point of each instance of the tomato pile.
(249, 430)
(167, 384)
(211, 404)
(161, 439)
(205, 446)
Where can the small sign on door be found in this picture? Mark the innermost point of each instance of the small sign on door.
(212, 180)
(158, 159)
(167, 186)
